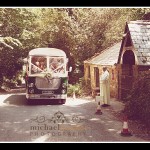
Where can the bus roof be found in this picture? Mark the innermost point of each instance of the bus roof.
(47, 52)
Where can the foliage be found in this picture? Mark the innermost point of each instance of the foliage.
(10, 52)
(80, 88)
(19, 82)
(13, 23)
(138, 103)
(116, 25)
(9, 83)
(86, 87)
(76, 88)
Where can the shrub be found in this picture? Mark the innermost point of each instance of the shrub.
(19, 82)
(138, 102)
(86, 87)
(9, 83)
(81, 89)
(74, 88)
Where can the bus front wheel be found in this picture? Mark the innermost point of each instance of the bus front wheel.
(62, 101)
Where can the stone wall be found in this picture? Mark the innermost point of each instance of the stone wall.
(113, 78)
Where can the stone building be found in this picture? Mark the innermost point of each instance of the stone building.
(93, 69)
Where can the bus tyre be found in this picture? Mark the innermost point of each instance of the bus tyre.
(63, 101)
(29, 101)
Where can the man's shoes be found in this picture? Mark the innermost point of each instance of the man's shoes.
(105, 105)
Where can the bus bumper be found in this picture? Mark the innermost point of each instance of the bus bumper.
(41, 96)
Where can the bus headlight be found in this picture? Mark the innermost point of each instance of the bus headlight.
(64, 85)
(31, 85)
(63, 91)
(31, 91)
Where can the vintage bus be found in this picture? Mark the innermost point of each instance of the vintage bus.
(47, 74)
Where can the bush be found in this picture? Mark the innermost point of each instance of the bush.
(19, 82)
(74, 89)
(138, 102)
(86, 87)
(9, 83)
(81, 89)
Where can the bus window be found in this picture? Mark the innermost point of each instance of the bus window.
(56, 65)
(38, 64)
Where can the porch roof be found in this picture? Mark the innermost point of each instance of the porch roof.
(107, 57)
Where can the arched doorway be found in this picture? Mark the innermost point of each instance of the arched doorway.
(128, 57)
(125, 80)
(128, 61)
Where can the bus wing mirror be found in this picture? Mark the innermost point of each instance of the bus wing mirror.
(24, 61)
(70, 69)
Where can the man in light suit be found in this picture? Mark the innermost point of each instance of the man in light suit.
(105, 88)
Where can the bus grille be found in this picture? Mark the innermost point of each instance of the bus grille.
(44, 83)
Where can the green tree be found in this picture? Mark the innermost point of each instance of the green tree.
(14, 22)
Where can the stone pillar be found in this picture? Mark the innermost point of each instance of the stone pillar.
(119, 73)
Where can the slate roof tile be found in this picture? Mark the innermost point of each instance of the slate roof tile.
(108, 56)
(140, 35)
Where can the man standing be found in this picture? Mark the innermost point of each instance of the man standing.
(105, 88)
